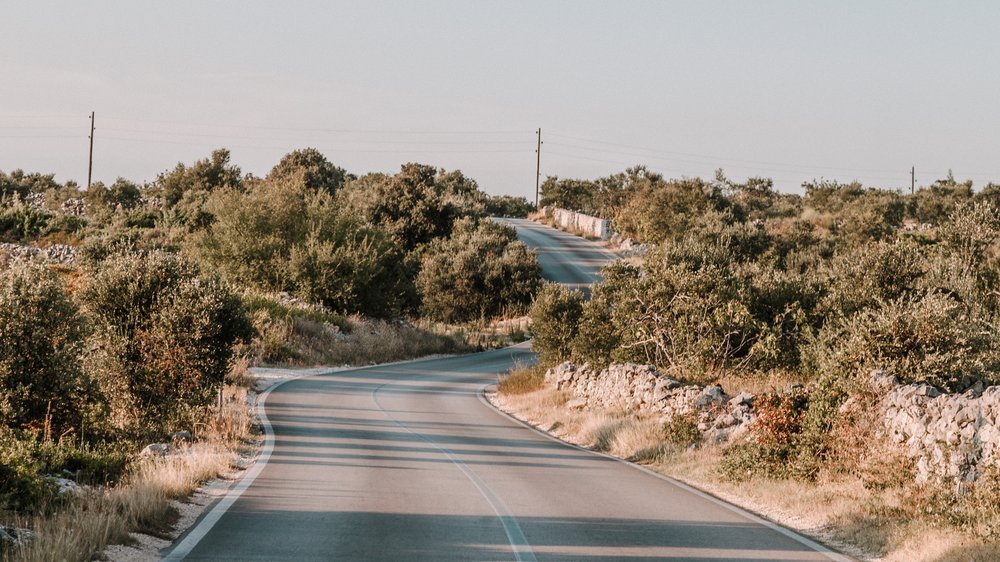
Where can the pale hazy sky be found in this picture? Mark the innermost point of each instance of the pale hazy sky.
(790, 90)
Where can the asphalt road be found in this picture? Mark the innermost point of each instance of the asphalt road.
(407, 462)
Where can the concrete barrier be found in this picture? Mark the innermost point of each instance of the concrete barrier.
(579, 223)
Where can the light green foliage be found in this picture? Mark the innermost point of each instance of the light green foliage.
(929, 337)
(163, 338)
(852, 212)
(318, 173)
(186, 189)
(20, 221)
(41, 336)
(666, 210)
(573, 194)
(279, 235)
(27, 462)
(862, 276)
(21, 184)
(555, 316)
(480, 271)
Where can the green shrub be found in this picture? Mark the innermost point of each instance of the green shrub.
(597, 338)
(318, 173)
(481, 271)
(866, 275)
(663, 211)
(163, 340)
(555, 316)
(682, 430)
(508, 206)
(935, 203)
(41, 335)
(280, 236)
(20, 221)
(414, 206)
(922, 338)
(29, 464)
(206, 176)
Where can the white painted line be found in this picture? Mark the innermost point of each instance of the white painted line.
(202, 528)
(832, 555)
(184, 548)
(515, 536)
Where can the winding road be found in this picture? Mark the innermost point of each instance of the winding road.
(408, 462)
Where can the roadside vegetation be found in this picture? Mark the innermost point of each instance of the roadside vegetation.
(130, 313)
(796, 298)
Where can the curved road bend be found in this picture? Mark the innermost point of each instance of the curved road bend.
(407, 462)
(567, 259)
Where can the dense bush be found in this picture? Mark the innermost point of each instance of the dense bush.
(27, 463)
(480, 271)
(317, 173)
(508, 206)
(555, 316)
(163, 337)
(207, 175)
(927, 337)
(279, 235)
(20, 183)
(20, 221)
(414, 206)
(41, 335)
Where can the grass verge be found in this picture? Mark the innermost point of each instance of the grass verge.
(144, 501)
(869, 522)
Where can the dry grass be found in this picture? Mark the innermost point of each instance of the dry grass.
(143, 502)
(370, 341)
(841, 509)
(521, 380)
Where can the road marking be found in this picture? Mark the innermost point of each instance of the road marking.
(202, 528)
(184, 548)
(515, 536)
(832, 555)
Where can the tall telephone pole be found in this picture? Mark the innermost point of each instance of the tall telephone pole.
(90, 163)
(538, 165)
(913, 178)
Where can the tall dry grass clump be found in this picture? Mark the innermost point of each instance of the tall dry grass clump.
(143, 502)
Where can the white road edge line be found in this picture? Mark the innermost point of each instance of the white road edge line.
(181, 550)
(832, 555)
(194, 536)
(515, 536)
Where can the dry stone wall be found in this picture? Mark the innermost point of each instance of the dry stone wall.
(951, 437)
(641, 388)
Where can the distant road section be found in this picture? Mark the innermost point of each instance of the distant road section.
(565, 258)
(408, 462)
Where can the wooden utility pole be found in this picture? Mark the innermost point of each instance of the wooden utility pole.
(538, 165)
(90, 164)
(913, 178)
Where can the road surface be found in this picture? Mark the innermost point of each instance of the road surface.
(408, 462)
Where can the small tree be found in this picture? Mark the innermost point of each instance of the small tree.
(482, 270)
(318, 173)
(164, 337)
(41, 338)
(555, 319)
